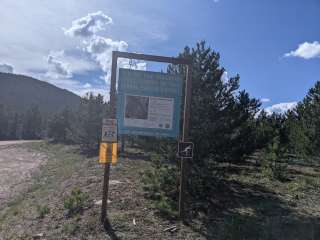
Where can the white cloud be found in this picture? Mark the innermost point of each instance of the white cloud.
(306, 50)
(83, 91)
(37, 31)
(31, 34)
(6, 68)
(224, 77)
(89, 25)
(87, 85)
(78, 62)
(265, 100)
(58, 68)
(101, 50)
(216, 1)
(133, 64)
(280, 107)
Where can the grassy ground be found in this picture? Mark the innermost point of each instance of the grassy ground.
(40, 212)
(250, 205)
(246, 204)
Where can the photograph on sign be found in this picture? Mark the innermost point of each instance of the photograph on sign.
(137, 107)
(148, 112)
(109, 130)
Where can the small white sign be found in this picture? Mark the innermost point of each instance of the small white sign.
(110, 130)
(185, 149)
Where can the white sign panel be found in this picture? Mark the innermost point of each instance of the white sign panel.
(148, 112)
(109, 130)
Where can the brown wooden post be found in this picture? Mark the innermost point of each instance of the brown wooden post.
(113, 115)
(185, 135)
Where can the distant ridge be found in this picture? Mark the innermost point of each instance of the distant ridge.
(19, 92)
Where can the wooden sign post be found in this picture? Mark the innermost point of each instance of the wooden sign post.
(113, 115)
(186, 114)
(185, 137)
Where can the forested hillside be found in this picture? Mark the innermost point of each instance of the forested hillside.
(18, 93)
(27, 105)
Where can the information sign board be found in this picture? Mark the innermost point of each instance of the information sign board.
(148, 103)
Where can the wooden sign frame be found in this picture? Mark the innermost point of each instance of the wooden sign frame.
(186, 115)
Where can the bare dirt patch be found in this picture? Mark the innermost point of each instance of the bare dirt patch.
(17, 164)
(15, 142)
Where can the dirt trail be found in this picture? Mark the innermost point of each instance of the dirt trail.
(16, 166)
(14, 142)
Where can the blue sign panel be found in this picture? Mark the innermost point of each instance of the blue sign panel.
(148, 103)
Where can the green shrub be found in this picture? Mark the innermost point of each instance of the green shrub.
(162, 178)
(43, 210)
(75, 202)
(166, 207)
(274, 161)
(70, 228)
(305, 183)
(160, 183)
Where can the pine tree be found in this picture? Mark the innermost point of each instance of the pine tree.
(308, 112)
(32, 124)
(243, 138)
(62, 127)
(14, 126)
(92, 111)
(222, 118)
(298, 143)
(3, 123)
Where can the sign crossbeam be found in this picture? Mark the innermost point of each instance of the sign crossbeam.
(153, 58)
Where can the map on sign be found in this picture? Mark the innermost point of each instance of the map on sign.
(148, 103)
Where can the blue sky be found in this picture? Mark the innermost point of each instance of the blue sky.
(273, 45)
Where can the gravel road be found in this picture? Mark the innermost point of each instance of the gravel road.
(17, 163)
(15, 142)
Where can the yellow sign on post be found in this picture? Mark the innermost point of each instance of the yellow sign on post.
(108, 153)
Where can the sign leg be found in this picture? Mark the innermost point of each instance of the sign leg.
(183, 183)
(185, 136)
(122, 143)
(105, 192)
